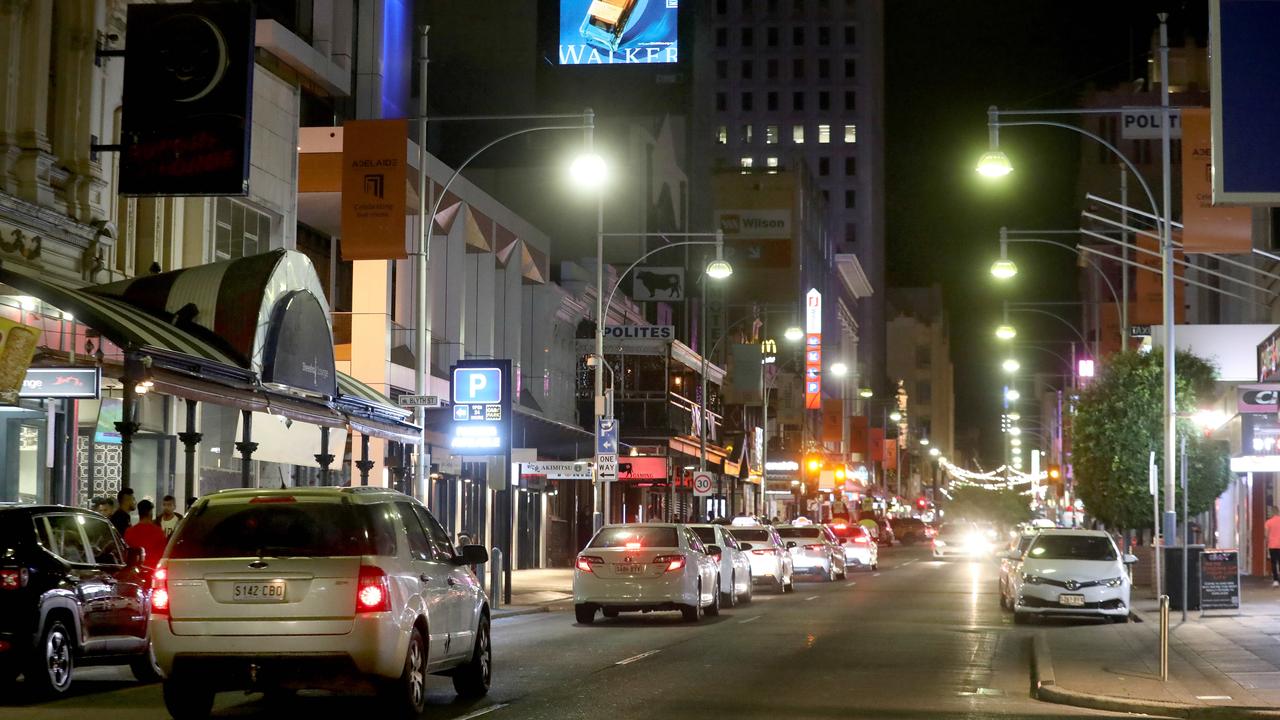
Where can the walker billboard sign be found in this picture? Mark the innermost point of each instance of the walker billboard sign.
(618, 32)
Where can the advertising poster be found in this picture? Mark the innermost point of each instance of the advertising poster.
(17, 346)
(618, 32)
(109, 413)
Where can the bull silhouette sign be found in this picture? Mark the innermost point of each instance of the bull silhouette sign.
(658, 284)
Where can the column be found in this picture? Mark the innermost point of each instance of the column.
(190, 442)
(246, 447)
(364, 464)
(324, 458)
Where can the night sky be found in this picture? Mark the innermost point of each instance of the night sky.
(945, 63)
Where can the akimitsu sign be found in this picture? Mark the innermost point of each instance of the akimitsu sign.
(618, 32)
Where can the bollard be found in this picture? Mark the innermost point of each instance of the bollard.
(495, 578)
(1164, 638)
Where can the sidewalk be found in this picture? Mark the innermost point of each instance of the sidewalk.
(1218, 665)
(540, 590)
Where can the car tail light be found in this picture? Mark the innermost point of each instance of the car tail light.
(839, 526)
(861, 540)
(13, 579)
(262, 499)
(160, 592)
(373, 592)
(586, 561)
(817, 546)
(673, 562)
(633, 546)
(769, 551)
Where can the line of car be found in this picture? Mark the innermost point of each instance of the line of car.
(696, 569)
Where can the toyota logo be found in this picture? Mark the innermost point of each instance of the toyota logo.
(1072, 584)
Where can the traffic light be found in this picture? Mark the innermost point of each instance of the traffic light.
(814, 464)
(922, 503)
(1055, 473)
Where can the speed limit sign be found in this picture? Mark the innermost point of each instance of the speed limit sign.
(702, 484)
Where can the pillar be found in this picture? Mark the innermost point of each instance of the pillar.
(364, 464)
(324, 458)
(246, 447)
(190, 441)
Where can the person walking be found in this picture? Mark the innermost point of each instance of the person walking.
(124, 505)
(169, 516)
(1271, 534)
(147, 535)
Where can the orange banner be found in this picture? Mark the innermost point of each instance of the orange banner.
(1207, 228)
(891, 454)
(1147, 307)
(374, 171)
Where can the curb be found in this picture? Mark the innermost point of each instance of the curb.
(1044, 687)
(501, 613)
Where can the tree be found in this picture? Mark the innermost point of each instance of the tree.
(1118, 423)
(1002, 506)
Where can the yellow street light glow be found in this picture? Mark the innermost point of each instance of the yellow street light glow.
(588, 171)
(793, 334)
(1015, 416)
(1011, 365)
(924, 441)
(839, 369)
(994, 164)
(719, 269)
(1015, 431)
(1003, 269)
(895, 416)
(866, 393)
(935, 452)
(1006, 332)
(1015, 442)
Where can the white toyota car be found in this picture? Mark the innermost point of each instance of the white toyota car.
(735, 563)
(1072, 572)
(645, 567)
(770, 562)
(326, 588)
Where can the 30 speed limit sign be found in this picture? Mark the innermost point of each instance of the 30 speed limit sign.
(703, 482)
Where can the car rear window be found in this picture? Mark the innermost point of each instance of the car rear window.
(1072, 547)
(646, 536)
(705, 534)
(844, 530)
(795, 532)
(751, 534)
(282, 529)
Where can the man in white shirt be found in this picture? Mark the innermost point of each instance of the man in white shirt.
(169, 519)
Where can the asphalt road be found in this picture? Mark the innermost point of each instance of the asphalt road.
(918, 639)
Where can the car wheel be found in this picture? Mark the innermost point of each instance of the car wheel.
(730, 599)
(714, 608)
(187, 701)
(693, 613)
(406, 696)
(609, 612)
(831, 572)
(746, 597)
(472, 680)
(875, 566)
(790, 585)
(144, 666)
(1120, 619)
(53, 663)
(584, 613)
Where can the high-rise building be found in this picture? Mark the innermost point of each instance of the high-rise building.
(801, 81)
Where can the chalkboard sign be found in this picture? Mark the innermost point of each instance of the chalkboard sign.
(1220, 580)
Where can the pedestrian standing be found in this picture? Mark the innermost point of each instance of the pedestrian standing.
(169, 516)
(147, 535)
(1271, 535)
(124, 505)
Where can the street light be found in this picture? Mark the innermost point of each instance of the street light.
(1012, 395)
(588, 171)
(1016, 442)
(839, 369)
(895, 416)
(1004, 269)
(793, 334)
(1015, 431)
(1006, 332)
(934, 452)
(1011, 365)
(866, 393)
(924, 441)
(994, 164)
(1015, 416)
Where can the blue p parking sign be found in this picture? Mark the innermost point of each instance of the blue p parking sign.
(477, 386)
(481, 407)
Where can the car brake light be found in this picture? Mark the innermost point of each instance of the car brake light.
(674, 562)
(13, 579)
(273, 499)
(817, 546)
(861, 540)
(839, 526)
(160, 592)
(586, 561)
(373, 592)
(633, 546)
(770, 551)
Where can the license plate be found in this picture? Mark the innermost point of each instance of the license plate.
(628, 569)
(1071, 600)
(258, 592)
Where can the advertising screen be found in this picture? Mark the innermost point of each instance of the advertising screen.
(618, 32)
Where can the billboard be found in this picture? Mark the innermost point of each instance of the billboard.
(1206, 227)
(618, 32)
(1243, 76)
(374, 173)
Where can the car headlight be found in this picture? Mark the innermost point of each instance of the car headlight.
(1032, 579)
(1112, 582)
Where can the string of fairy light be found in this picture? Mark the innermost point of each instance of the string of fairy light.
(1001, 478)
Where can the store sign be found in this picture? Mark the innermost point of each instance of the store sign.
(1220, 580)
(650, 284)
(768, 224)
(618, 33)
(1269, 358)
(1257, 399)
(558, 469)
(643, 468)
(18, 344)
(1148, 123)
(635, 339)
(481, 407)
(68, 383)
(813, 350)
(1260, 434)
(1206, 227)
(1243, 36)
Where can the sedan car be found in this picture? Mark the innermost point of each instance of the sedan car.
(859, 549)
(1011, 565)
(912, 530)
(1073, 572)
(734, 562)
(814, 550)
(645, 567)
(771, 564)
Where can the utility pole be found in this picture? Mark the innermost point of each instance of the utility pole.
(1170, 312)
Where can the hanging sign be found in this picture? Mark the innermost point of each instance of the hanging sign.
(813, 350)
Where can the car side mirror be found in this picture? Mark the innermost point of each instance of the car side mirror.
(791, 544)
(135, 556)
(744, 546)
(471, 555)
(1129, 558)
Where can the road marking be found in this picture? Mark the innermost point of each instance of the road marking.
(483, 711)
(850, 584)
(753, 618)
(1213, 697)
(908, 562)
(634, 658)
(811, 597)
(875, 575)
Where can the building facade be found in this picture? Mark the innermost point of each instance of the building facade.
(920, 359)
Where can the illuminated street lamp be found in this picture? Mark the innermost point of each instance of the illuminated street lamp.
(934, 452)
(839, 369)
(994, 164)
(1003, 269)
(895, 416)
(1011, 365)
(793, 334)
(924, 441)
(866, 393)
(1012, 395)
(1006, 332)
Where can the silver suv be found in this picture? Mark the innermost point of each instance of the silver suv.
(329, 588)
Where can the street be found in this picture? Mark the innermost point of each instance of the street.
(918, 639)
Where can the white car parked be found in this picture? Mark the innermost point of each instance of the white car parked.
(735, 563)
(329, 588)
(1072, 572)
(770, 562)
(860, 549)
(645, 567)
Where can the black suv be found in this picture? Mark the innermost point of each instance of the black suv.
(71, 593)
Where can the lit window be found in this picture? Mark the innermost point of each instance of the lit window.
(746, 162)
(824, 134)
(772, 164)
(797, 134)
(746, 133)
(722, 135)
(851, 133)
(771, 135)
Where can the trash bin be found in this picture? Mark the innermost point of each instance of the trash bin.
(1172, 559)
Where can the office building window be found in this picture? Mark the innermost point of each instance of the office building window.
(924, 356)
(748, 36)
(746, 134)
(824, 166)
(239, 230)
(722, 7)
(824, 100)
(826, 198)
(746, 101)
(924, 392)
(746, 162)
(849, 199)
(824, 69)
(722, 69)
(797, 134)
(824, 134)
(722, 135)
(824, 35)
(771, 100)
(850, 35)
(851, 233)
(772, 5)
(771, 135)
(850, 166)
(850, 100)
(797, 69)
(797, 100)
(797, 36)
(850, 67)
(747, 69)
(797, 7)
(722, 37)
(722, 102)
(851, 133)
(772, 68)
(771, 37)
(746, 7)
(771, 162)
